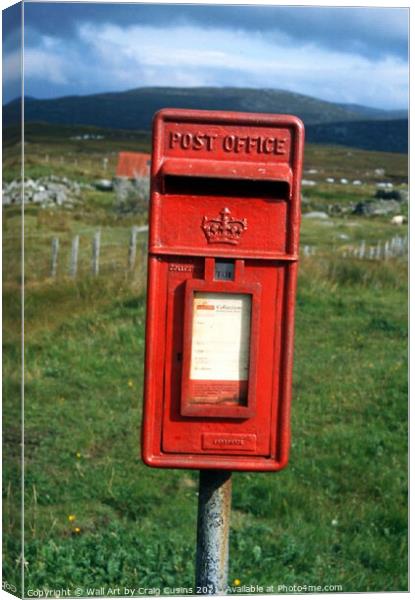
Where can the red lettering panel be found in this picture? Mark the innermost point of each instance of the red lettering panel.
(227, 142)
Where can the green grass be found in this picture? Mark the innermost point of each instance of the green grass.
(49, 149)
(339, 161)
(337, 515)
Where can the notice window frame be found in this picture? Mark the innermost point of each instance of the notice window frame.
(192, 408)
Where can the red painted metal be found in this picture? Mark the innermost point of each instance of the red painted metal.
(133, 164)
(225, 187)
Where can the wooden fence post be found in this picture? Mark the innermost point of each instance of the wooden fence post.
(132, 249)
(55, 250)
(96, 242)
(378, 251)
(73, 269)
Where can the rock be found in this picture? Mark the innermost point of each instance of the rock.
(398, 220)
(104, 185)
(45, 191)
(361, 208)
(41, 196)
(383, 185)
(336, 209)
(376, 207)
(315, 214)
(60, 197)
(390, 195)
(5, 199)
(404, 196)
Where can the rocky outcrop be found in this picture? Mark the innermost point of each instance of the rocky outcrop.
(45, 191)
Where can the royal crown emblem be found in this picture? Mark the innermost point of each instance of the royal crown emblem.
(224, 229)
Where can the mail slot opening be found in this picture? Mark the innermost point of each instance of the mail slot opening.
(213, 186)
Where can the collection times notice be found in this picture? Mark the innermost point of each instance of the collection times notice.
(220, 346)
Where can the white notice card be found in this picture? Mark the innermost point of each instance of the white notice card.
(220, 336)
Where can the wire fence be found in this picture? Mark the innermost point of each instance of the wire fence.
(88, 252)
(96, 252)
(396, 247)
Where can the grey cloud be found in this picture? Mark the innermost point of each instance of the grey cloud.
(371, 32)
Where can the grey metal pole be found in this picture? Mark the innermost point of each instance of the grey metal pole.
(214, 512)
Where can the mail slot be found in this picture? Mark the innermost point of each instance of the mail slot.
(222, 267)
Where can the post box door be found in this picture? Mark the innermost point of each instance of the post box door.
(212, 424)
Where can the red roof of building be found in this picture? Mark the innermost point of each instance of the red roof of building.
(133, 164)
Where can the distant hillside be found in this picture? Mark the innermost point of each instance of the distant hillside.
(383, 136)
(374, 113)
(134, 110)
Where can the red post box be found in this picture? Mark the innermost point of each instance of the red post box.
(222, 268)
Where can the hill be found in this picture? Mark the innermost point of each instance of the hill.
(134, 109)
(379, 135)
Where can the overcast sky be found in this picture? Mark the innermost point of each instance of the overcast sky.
(356, 55)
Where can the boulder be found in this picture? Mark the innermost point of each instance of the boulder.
(376, 207)
(389, 194)
(104, 185)
(315, 214)
(40, 196)
(46, 191)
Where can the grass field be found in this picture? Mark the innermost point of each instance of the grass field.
(95, 516)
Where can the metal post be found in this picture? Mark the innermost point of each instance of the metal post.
(214, 511)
